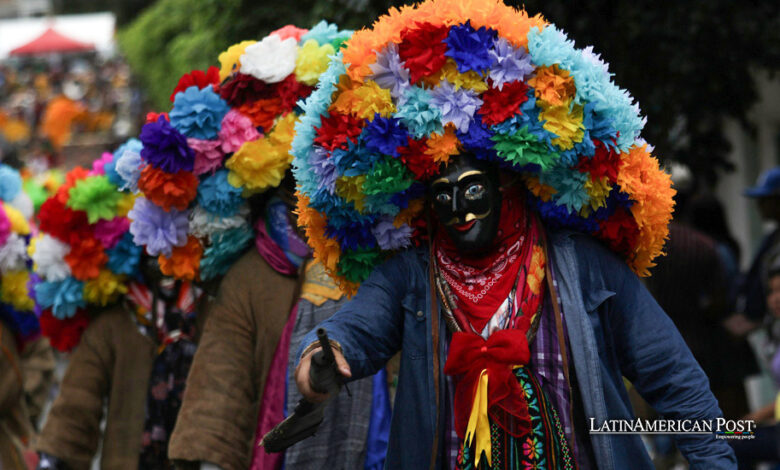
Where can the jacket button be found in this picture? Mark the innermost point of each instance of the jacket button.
(420, 314)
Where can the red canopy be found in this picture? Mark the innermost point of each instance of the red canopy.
(50, 42)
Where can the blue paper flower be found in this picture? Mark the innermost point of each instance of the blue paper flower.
(198, 112)
(226, 247)
(156, 228)
(10, 183)
(509, 63)
(417, 114)
(125, 256)
(352, 236)
(63, 297)
(324, 32)
(354, 161)
(470, 48)
(570, 187)
(165, 148)
(128, 167)
(389, 72)
(23, 324)
(218, 196)
(384, 135)
(457, 107)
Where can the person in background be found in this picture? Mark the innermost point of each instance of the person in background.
(132, 330)
(270, 298)
(765, 447)
(751, 301)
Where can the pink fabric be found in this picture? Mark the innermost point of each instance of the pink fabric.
(271, 252)
(272, 404)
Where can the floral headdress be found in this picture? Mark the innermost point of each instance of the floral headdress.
(84, 255)
(429, 81)
(17, 308)
(227, 137)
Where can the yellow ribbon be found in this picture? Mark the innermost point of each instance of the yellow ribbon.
(479, 425)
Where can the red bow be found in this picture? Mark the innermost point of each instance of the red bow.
(469, 355)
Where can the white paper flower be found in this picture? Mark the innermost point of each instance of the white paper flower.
(270, 60)
(49, 258)
(13, 254)
(203, 223)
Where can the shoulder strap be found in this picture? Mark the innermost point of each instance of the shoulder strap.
(559, 330)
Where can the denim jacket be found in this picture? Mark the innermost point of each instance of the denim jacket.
(615, 330)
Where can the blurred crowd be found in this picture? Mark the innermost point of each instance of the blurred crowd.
(50, 103)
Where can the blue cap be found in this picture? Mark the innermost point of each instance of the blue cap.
(768, 184)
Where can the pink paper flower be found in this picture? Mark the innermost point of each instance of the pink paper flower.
(208, 156)
(98, 166)
(109, 232)
(236, 129)
(290, 31)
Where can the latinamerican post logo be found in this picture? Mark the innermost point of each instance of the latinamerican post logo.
(722, 428)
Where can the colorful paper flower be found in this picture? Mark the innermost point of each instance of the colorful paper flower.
(165, 147)
(198, 113)
(96, 196)
(156, 229)
(62, 297)
(197, 78)
(230, 59)
(184, 261)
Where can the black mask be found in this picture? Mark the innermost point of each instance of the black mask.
(163, 287)
(467, 202)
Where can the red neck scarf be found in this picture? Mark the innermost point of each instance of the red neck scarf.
(481, 284)
(480, 287)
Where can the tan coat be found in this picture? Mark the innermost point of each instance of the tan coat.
(14, 425)
(218, 417)
(113, 361)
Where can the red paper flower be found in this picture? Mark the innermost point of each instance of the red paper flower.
(243, 88)
(65, 334)
(197, 78)
(620, 232)
(417, 161)
(500, 105)
(605, 162)
(262, 112)
(152, 117)
(291, 90)
(86, 257)
(422, 50)
(168, 189)
(336, 130)
(63, 222)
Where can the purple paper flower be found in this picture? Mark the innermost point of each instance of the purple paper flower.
(165, 148)
(389, 72)
(469, 47)
(385, 135)
(456, 106)
(390, 237)
(508, 63)
(325, 168)
(198, 113)
(159, 230)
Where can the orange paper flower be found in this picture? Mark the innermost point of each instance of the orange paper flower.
(168, 190)
(85, 259)
(184, 261)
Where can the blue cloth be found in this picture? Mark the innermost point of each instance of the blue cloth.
(379, 423)
(615, 328)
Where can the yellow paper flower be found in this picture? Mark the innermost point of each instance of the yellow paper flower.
(312, 60)
(351, 189)
(229, 59)
(258, 165)
(18, 223)
(449, 72)
(105, 288)
(563, 122)
(283, 132)
(125, 204)
(13, 290)
(598, 190)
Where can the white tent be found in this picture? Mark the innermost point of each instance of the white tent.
(94, 28)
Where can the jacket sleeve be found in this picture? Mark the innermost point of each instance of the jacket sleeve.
(217, 420)
(72, 428)
(654, 357)
(369, 327)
